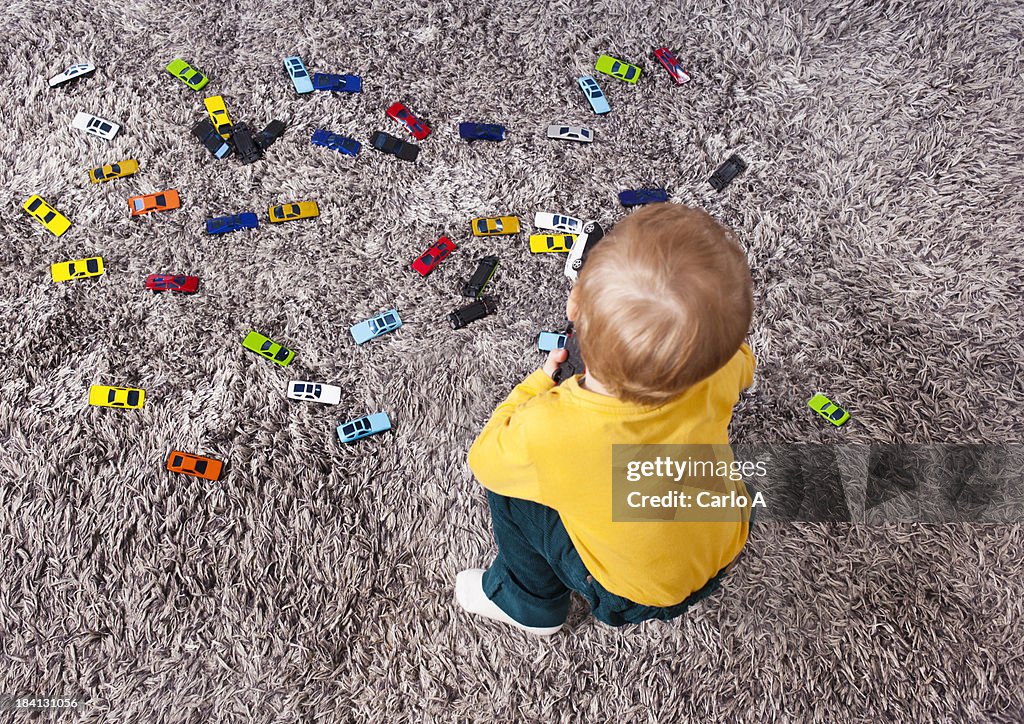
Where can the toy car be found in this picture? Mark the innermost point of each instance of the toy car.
(270, 133)
(639, 197)
(195, 465)
(363, 427)
(188, 75)
(234, 222)
(617, 69)
(389, 144)
(314, 392)
(297, 72)
(245, 146)
(335, 141)
(209, 137)
(219, 117)
(729, 170)
(125, 397)
(95, 126)
(416, 127)
(585, 241)
(163, 201)
(276, 353)
(495, 226)
(433, 256)
(541, 243)
(484, 271)
(482, 131)
(479, 309)
(571, 133)
(337, 83)
(376, 326)
(593, 93)
(292, 211)
(573, 364)
(79, 70)
(114, 170)
(54, 221)
(547, 341)
(172, 283)
(675, 70)
(64, 271)
(558, 222)
(828, 409)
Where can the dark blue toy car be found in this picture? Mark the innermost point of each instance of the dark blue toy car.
(339, 83)
(482, 131)
(335, 141)
(235, 222)
(639, 197)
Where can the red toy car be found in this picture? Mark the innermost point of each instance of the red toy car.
(433, 256)
(172, 283)
(403, 115)
(675, 70)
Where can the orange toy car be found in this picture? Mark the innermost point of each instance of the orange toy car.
(163, 201)
(197, 465)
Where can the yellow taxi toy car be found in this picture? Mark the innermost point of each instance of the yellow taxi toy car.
(114, 170)
(64, 271)
(540, 243)
(219, 116)
(496, 226)
(292, 211)
(129, 398)
(48, 216)
(617, 69)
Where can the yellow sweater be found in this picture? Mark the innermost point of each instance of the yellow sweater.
(553, 445)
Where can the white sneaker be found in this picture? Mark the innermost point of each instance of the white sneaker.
(469, 593)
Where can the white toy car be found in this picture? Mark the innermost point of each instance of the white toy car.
(298, 73)
(558, 222)
(95, 126)
(571, 133)
(79, 70)
(314, 392)
(587, 239)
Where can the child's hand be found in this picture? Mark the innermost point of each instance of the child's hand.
(555, 359)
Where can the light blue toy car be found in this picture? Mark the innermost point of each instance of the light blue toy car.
(547, 341)
(298, 73)
(593, 93)
(363, 427)
(376, 326)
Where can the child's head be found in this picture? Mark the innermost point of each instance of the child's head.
(663, 301)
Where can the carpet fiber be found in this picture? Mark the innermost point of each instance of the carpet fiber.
(882, 213)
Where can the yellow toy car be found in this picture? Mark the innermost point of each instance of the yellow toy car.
(129, 398)
(292, 211)
(617, 69)
(496, 226)
(64, 271)
(48, 216)
(114, 170)
(219, 116)
(540, 243)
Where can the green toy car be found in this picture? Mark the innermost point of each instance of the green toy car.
(617, 69)
(828, 409)
(276, 353)
(187, 74)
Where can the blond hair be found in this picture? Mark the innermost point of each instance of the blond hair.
(663, 301)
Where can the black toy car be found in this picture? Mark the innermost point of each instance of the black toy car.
(471, 312)
(729, 170)
(268, 135)
(208, 136)
(573, 364)
(389, 144)
(245, 146)
(484, 271)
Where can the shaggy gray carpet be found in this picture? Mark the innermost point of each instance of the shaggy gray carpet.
(882, 212)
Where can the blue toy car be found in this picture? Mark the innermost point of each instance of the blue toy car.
(482, 131)
(234, 222)
(363, 427)
(341, 144)
(593, 93)
(547, 341)
(298, 73)
(338, 83)
(376, 326)
(639, 197)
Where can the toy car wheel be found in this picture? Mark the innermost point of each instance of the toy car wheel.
(577, 264)
(588, 228)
